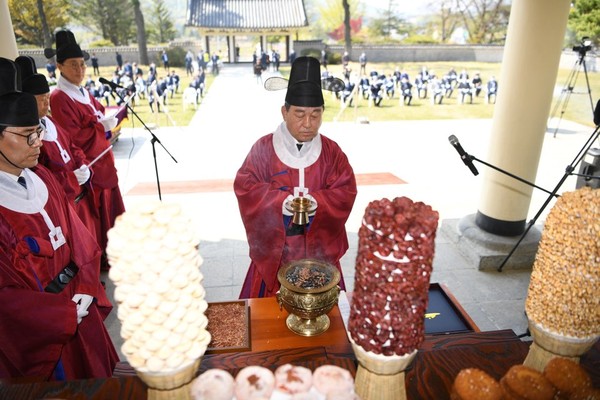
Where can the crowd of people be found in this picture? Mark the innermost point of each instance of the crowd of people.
(377, 86)
(129, 80)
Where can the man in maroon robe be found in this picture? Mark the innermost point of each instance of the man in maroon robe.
(53, 304)
(294, 161)
(82, 116)
(59, 154)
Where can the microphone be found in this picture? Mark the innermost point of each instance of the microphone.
(113, 86)
(466, 158)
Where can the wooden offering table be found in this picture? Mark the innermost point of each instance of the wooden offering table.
(430, 375)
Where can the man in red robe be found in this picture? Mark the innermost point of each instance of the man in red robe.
(59, 154)
(53, 304)
(82, 116)
(294, 161)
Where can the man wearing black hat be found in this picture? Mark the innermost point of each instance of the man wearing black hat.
(82, 116)
(59, 154)
(294, 161)
(53, 305)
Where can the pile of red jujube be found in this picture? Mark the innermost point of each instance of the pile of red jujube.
(393, 266)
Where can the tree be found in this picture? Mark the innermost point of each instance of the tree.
(347, 28)
(445, 18)
(34, 20)
(485, 20)
(162, 26)
(110, 19)
(47, 35)
(388, 23)
(584, 20)
(141, 32)
(332, 15)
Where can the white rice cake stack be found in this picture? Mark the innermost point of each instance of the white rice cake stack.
(155, 266)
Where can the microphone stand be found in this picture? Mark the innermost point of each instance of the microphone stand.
(152, 141)
(568, 171)
(511, 175)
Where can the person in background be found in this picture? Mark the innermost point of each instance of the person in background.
(51, 69)
(362, 60)
(165, 59)
(295, 160)
(276, 60)
(492, 90)
(173, 83)
(65, 160)
(324, 58)
(189, 68)
(215, 63)
(345, 60)
(53, 303)
(406, 90)
(119, 59)
(83, 118)
(198, 83)
(95, 64)
(477, 84)
(347, 95)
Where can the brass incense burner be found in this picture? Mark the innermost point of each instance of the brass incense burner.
(300, 207)
(309, 290)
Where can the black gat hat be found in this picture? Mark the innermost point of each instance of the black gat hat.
(31, 81)
(305, 85)
(16, 108)
(66, 47)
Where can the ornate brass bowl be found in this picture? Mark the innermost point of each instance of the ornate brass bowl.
(309, 290)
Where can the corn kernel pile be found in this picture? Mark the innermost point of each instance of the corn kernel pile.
(564, 292)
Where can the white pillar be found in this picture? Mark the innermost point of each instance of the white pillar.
(8, 43)
(530, 64)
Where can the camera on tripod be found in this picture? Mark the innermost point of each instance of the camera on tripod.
(584, 47)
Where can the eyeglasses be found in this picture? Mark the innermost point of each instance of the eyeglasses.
(76, 65)
(39, 133)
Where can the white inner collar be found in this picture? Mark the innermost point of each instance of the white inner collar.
(286, 150)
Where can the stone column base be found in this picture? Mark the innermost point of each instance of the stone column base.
(487, 251)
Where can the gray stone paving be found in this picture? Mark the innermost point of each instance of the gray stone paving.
(237, 111)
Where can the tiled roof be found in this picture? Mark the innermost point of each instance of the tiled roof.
(246, 15)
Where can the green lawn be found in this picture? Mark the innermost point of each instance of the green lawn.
(575, 107)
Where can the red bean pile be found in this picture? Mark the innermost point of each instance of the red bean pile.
(393, 267)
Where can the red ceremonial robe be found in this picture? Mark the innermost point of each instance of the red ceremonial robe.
(78, 114)
(62, 157)
(38, 328)
(264, 182)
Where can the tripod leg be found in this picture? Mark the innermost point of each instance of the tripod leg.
(565, 94)
(587, 81)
